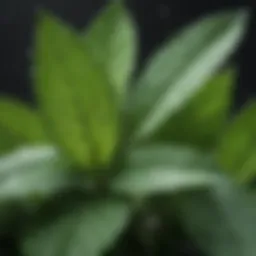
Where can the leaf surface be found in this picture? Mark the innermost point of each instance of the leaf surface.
(77, 100)
(182, 67)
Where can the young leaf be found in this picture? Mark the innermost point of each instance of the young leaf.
(111, 39)
(31, 173)
(89, 230)
(19, 124)
(150, 173)
(200, 122)
(74, 94)
(237, 148)
(178, 70)
(221, 221)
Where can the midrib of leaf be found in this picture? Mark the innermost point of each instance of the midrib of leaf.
(111, 95)
(207, 51)
(75, 102)
(99, 69)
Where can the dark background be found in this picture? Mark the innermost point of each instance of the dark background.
(157, 19)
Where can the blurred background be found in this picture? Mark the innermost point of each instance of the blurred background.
(157, 19)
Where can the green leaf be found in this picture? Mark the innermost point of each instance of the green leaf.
(8, 141)
(77, 101)
(237, 148)
(179, 70)
(112, 40)
(163, 171)
(162, 180)
(89, 230)
(33, 173)
(156, 155)
(204, 117)
(19, 124)
(221, 221)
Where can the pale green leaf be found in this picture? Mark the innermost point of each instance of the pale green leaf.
(77, 101)
(204, 117)
(237, 148)
(155, 155)
(162, 180)
(112, 40)
(179, 70)
(164, 170)
(33, 173)
(89, 230)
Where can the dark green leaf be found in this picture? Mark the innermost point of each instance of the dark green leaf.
(178, 70)
(19, 124)
(89, 230)
(220, 221)
(112, 40)
(237, 148)
(162, 170)
(202, 120)
(75, 97)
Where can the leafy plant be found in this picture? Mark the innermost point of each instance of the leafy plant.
(96, 155)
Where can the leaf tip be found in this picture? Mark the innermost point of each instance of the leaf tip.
(242, 15)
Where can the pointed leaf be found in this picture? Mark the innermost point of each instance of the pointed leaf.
(178, 70)
(33, 173)
(162, 180)
(202, 120)
(150, 172)
(87, 230)
(111, 39)
(19, 124)
(237, 148)
(74, 94)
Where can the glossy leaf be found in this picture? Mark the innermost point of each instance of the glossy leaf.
(75, 97)
(161, 171)
(237, 148)
(33, 173)
(204, 117)
(89, 230)
(221, 221)
(19, 124)
(182, 67)
(112, 40)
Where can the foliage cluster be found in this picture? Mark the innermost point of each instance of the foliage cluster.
(96, 152)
